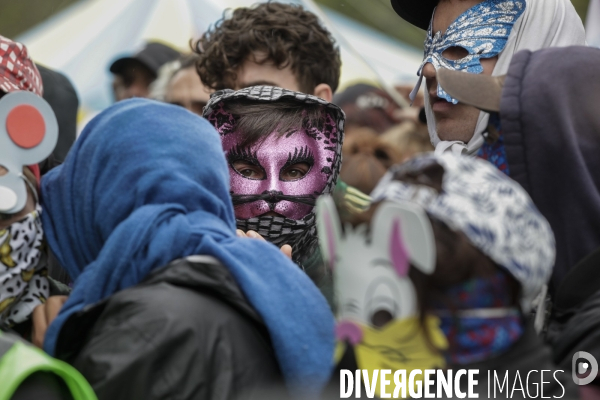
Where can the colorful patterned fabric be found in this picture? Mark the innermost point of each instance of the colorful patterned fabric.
(493, 211)
(17, 71)
(23, 273)
(476, 339)
(495, 152)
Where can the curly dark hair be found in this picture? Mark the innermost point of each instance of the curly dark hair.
(288, 34)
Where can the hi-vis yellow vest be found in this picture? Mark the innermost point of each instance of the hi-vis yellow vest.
(18, 361)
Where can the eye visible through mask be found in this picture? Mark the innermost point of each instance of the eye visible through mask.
(246, 163)
(480, 32)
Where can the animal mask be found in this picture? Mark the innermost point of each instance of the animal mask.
(292, 199)
(28, 135)
(377, 308)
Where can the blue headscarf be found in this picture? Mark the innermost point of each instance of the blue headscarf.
(147, 183)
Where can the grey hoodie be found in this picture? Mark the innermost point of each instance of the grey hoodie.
(551, 127)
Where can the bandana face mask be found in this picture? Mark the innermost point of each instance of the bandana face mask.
(23, 281)
(483, 31)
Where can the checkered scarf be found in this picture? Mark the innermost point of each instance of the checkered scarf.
(17, 71)
(300, 234)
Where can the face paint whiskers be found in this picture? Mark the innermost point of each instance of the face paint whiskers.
(272, 197)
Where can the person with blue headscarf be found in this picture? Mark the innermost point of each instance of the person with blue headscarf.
(167, 301)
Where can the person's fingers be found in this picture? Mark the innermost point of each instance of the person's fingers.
(240, 233)
(43, 315)
(254, 235)
(287, 250)
(39, 325)
(53, 306)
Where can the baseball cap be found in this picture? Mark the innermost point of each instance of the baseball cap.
(417, 12)
(17, 71)
(478, 90)
(153, 56)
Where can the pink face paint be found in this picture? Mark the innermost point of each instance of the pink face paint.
(398, 252)
(273, 155)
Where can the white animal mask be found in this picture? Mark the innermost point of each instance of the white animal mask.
(371, 272)
(377, 308)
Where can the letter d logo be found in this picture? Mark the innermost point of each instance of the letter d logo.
(584, 367)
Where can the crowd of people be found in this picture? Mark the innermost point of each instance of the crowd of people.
(236, 227)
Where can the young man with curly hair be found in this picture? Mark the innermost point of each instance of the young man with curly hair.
(262, 49)
(270, 44)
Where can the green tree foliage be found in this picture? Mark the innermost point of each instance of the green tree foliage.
(17, 16)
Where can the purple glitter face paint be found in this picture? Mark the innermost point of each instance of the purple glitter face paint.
(274, 155)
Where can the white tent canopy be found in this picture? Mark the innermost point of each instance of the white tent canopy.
(592, 24)
(84, 39)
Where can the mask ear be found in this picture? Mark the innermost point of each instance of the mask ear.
(405, 230)
(328, 229)
(28, 134)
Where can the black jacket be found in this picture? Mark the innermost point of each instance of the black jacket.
(186, 332)
(530, 356)
(575, 322)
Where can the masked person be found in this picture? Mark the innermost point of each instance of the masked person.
(467, 280)
(28, 134)
(284, 150)
(168, 302)
(550, 144)
(480, 37)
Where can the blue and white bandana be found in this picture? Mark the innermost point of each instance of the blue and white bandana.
(493, 211)
(483, 31)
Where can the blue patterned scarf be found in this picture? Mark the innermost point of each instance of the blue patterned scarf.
(475, 338)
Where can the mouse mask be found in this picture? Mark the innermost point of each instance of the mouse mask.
(277, 189)
(28, 134)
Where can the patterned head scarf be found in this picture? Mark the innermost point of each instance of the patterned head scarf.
(493, 211)
(300, 233)
(23, 269)
(17, 71)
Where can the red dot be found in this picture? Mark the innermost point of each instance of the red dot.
(25, 126)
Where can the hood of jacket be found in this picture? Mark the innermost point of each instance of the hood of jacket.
(551, 129)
